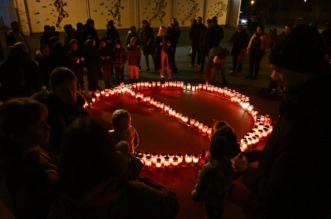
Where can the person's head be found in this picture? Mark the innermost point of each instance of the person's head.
(90, 42)
(214, 20)
(209, 23)
(288, 28)
(162, 31)
(133, 29)
(73, 44)
(219, 124)
(110, 24)
(123, 147)
(44, 49)
(103, 42)
(15, 26)
(118, 44)
(199, 20)
(294, 60)
(19, 53)
(121, 120)
(67, 28)
(224, 142)
(260, 29)
(23, 122)
(174, 22)
(88, 156)
(145, 23)
(47, 28)
(90, 22)
(63, 84)
(79, 26)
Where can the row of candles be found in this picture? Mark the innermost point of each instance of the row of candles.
(262, 123)
(169, 160)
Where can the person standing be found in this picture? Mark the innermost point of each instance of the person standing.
(206, 42)
(239, 42)
(258, 43)
(120, 58)
(134, 57)
(290, 181)
(147, 40)
(15, 35)
(215, 178)
(174, 32)
(194, 35)
(274, 86)
(164, 53)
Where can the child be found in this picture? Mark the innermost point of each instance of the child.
(120, 58)
(123, 130)
(216, 176)
(134, 57)
(134, 164)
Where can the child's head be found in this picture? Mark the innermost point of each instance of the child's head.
(23, 121)
(123, 147)
(103, 42)
(118, 44)
(44, 49)
(73, 44)
(224, 142)
(121, 120)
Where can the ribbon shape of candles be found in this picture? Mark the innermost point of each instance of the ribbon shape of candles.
(261, 129)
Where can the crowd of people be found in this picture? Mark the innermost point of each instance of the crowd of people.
(57, 161)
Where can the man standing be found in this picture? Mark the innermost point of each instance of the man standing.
(147, 40)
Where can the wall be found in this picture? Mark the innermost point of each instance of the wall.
(37, 13)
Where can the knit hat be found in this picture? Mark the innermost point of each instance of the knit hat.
(301, 51)
(224, 142)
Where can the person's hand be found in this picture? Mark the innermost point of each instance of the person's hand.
(240, 163)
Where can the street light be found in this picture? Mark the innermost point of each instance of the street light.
(252, 2)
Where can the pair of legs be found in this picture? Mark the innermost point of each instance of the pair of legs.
(119, 74)
(165, 59)
(212, 70)
(106, 72)
(254, 64)
(147, 59)
(237, 66)
(195, 53)
(134, 73)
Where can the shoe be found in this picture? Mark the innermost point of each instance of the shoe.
(147, 69)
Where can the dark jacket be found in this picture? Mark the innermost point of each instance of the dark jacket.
(60, 115)
(135, 199)
(292, 181)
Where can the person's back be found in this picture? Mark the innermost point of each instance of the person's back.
(290, 181)
(216, 176)
(94, 184)
(123, 130)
